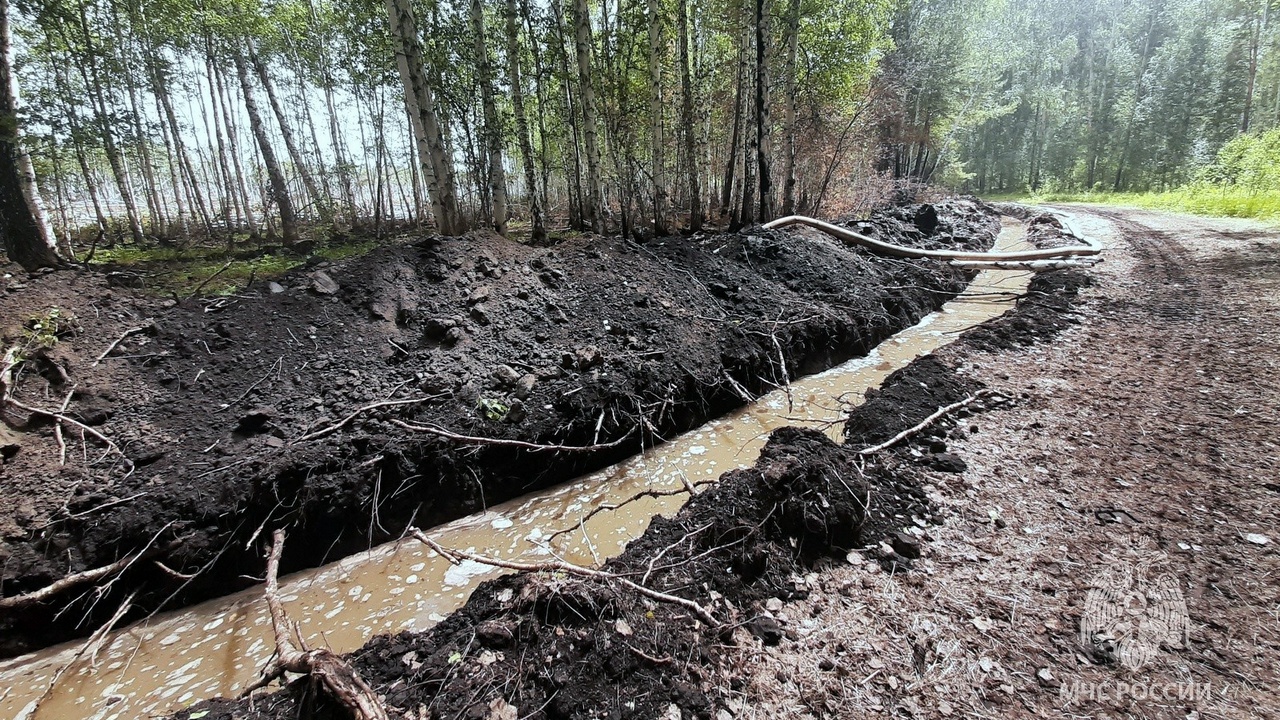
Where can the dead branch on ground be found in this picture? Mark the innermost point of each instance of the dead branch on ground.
(210, 279)
(456, 556)
(532, 447)
(57, 428)
(336, 675)
(131, 331)
(940, 412)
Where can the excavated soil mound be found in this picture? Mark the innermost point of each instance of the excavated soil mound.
(544, 645)
(547, 645)
(252, 411)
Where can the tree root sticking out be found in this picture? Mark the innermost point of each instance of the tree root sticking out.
(337, 676)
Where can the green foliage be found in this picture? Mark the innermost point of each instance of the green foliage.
(494, 409)
(1249, 162)
(42, 332)
(1197, 199)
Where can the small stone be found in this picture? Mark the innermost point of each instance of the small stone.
(323, 284)
(947, 462)
(275, 287)
(275, 442)
(495, 634)
(987, 665)
(588, 357)
(773, 605)
(1257, 539)
(506, 375)
(479, 295)
(767, 629)
(672, 713)
(908, 546)
(524, 386)
(1046, 678)
(255, 420)
(455, 335)
(623, 628)
(480, 314)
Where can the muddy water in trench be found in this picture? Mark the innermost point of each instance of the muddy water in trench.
(217, 647)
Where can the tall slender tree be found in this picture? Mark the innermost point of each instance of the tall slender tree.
(28, 237)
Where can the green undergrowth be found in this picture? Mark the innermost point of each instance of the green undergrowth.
(1199, 199)
(181, 270)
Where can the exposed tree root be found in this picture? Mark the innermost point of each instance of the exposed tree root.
(456, 556)
(337, 676)
(61, 418)
(372, 406)
(532, 447)
(76, 580)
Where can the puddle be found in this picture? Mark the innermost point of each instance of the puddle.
(216, 648)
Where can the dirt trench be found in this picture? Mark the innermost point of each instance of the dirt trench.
(544, 645)
(240, 414)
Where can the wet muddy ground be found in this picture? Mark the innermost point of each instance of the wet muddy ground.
(264, 408)
(1139, 437)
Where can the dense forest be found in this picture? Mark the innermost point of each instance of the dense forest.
(145, 121)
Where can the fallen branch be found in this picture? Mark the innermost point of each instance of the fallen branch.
(209, 280)
(985, 392)
(373, 406)
(456, 556)
(337, 676)
(884, 248)
(61, 418)
(532, 447)
(114, 345)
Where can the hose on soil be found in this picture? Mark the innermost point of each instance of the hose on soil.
(884, 248)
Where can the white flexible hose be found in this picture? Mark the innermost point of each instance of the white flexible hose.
(884, 248)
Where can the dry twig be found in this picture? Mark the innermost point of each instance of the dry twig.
(131, 331)
(337, 676)
(456, 556)
(210, 279)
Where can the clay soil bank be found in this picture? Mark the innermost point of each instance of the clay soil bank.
(240, 414)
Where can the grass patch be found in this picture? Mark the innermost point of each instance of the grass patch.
(169, 270)
(1197, 199)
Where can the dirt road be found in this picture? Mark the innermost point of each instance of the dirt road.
(1140, 462)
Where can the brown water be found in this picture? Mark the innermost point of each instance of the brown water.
(216, 648)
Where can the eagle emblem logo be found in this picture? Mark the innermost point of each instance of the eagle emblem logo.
(1132, 609)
